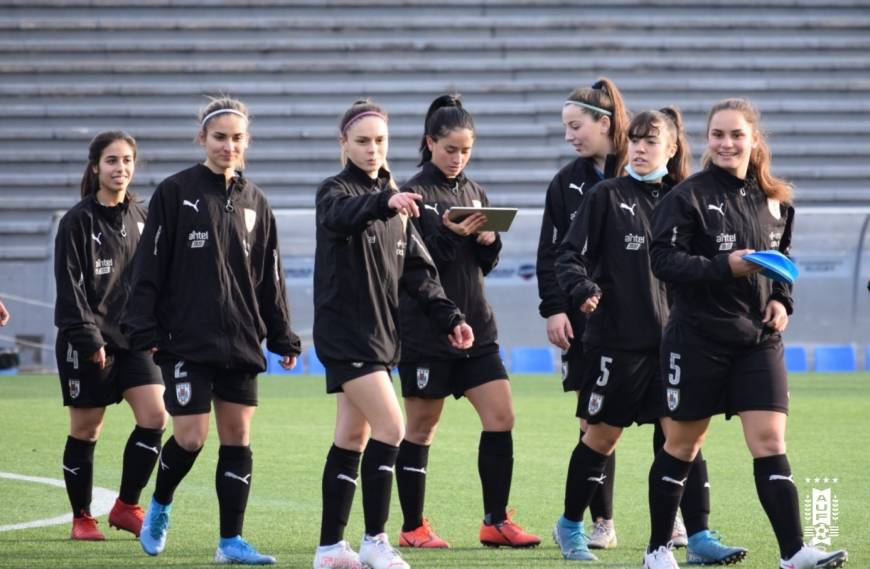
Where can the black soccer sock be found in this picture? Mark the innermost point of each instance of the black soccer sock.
(779, 498)
(175, 463)
(695, 503)
(140, 456)
(233, 478)
(495, 464)
(667, 479)
(78, 474)
(411, 481)
(378, 462)
(601, 504)
(585, 477)
(338, 488)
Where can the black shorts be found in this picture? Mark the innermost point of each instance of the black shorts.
(440, 378)
(190, 386)
(572, 367)
(84, 384)
(340, 372)
(620, 387)
(703, 378)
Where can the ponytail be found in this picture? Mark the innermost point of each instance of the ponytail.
(760, 158)
(605, 95)
(90, 179)
(444, 115)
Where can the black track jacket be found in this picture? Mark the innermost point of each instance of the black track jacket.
(606, 252)
(208, 286)
(700, 222)
(462, 263)
(363, 252)
(93, 249)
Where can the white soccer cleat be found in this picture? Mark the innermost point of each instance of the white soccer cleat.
(679, 538)
(812, 558)
(336, 556)
(661, 558)
(603, 535)
(377, 553)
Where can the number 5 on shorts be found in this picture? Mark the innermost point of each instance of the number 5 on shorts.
(674, 374)
(605, 373)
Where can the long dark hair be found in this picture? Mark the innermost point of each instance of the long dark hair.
(444, 115)
(90, 179)
(604, 94)
(759, 160)
(669, 119)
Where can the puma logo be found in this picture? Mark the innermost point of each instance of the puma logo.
(386, 468)
(146, 447)
(347, 478)
(600, 479)
(627, 207)
(576, 187)
(677, 482)
(246, 479)
(433, 207)
(73, 471)
(163, 464)
(98, 238)
(789, 478)
(194, 205)
(720, 208)
(412, 469)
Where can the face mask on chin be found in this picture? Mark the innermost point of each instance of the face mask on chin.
(653, 176)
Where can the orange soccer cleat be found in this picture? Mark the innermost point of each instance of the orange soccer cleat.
(85, 528)
(507, 534)
(127, 517)
(424, 537)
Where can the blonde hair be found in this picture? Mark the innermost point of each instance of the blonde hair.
(759, 160)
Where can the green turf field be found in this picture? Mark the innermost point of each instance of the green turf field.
(828, 436)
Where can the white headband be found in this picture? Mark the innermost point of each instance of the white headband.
(587, 106)
(220, 112)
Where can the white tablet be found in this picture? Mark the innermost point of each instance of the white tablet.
(497, 218)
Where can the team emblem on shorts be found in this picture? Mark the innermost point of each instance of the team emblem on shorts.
(250, 219)
(75, 388)
(596, 402)
(422, 377)
(673, 398)
(182, 392)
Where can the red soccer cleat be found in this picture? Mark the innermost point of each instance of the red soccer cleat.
(127, 517)
(423, 537)
(507, 534)
(85, 529)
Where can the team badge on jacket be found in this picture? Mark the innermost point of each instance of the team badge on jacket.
(422, 377)
(596, 402)
(250, 219)
(673, 398)
(182, 392)
(75, 388)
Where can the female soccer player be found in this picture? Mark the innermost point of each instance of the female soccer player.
(595, 120)
(722, 348)
(94, 249)
(208, 288)
(604, 268)
(431, 368)
(365, 252)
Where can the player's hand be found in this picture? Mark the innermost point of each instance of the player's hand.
(405, 203)
(739, 267)
(288, 362)
(462, 336)
(775, 316)
(590, 305)
(99, 357)
(486, 238)
(559, 330)
(467, 226)
(4, 315)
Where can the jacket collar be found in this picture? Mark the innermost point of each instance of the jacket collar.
(435, 173)
(219, 179)
(356, 174)
(727, 179)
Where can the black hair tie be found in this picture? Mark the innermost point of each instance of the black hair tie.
(598, 85)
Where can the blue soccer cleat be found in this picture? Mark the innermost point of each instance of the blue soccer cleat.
(237, 550)
(705, 548)
(153, 533)
(572, 540)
